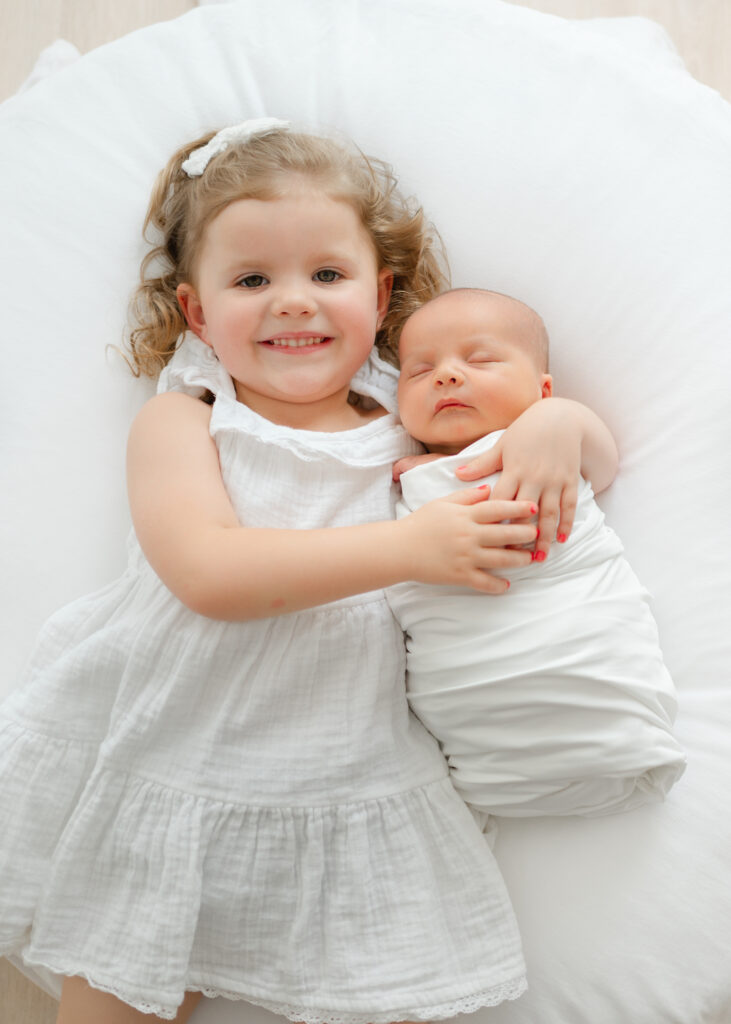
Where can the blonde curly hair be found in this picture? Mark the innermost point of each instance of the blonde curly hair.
(181, 208)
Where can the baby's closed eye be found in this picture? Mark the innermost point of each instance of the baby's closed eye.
(417, 370)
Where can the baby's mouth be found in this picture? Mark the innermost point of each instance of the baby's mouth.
(450, 403)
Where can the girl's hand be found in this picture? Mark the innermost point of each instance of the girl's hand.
(541, 455)
(456, 540)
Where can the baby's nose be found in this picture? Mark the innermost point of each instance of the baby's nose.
(448, 374)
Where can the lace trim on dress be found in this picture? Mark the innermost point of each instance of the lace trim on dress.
(508, 990)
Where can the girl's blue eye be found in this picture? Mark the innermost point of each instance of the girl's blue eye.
(253, 281)
(327, 276)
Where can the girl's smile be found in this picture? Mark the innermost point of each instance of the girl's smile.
(293, 343)
(289, 296)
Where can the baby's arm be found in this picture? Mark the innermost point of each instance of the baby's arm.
(541, 455)
(190, 534)
(409, 462)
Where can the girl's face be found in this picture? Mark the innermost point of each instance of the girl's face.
(289, 297)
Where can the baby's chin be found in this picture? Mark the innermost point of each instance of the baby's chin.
(450, 446)
(451, 434)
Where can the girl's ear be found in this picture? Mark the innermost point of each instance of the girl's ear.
(192, 310)
(546, 385)
(385, 284)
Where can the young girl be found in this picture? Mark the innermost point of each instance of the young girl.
(211, 780)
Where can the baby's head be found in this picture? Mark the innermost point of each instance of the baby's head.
(471, 362)
(270, 165)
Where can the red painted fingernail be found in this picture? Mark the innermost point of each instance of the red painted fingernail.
(539, 556)
(533, 509)
(538, 533)
(561, 538)
(482, 487)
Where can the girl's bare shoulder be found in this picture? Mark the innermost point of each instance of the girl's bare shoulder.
(169, 411)
(170, 436)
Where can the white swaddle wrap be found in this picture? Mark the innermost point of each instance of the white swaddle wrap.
(552, 698)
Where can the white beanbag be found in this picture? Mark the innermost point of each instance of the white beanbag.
(581, 170)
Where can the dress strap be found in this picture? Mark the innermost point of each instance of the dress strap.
(377, 379)
(194, 369)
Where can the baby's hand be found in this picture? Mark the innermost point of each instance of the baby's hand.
(456, 540)
(540, 458)
(409, 461)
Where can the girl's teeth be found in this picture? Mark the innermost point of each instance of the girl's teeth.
(296, 342)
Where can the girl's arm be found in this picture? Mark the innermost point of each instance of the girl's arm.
(541, 456)
(190, 535)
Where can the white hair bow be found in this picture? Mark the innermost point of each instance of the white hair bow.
(198, 160)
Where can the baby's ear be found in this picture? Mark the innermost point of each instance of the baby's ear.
(546, 385)
(192, 310)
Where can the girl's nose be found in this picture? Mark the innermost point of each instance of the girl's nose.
(448, 374)
(293, 300)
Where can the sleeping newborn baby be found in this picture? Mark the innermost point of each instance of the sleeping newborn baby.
(552, 698)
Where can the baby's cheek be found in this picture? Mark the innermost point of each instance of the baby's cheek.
(409, 410)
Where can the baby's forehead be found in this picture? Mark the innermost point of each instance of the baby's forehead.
(466, 315)
(474, 303)
(454, 315)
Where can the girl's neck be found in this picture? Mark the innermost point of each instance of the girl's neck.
(330, 415)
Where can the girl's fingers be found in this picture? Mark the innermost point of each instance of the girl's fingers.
(567, 513)
(507, 535)
(506, 487)
(470, 495)
(495, 511)
(489, 584)
(548, 516)
(504, 558)
(488, 462)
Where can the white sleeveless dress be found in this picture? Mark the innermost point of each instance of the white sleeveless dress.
(248, 809)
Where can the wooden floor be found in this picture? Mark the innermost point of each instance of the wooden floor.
(700, 29)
